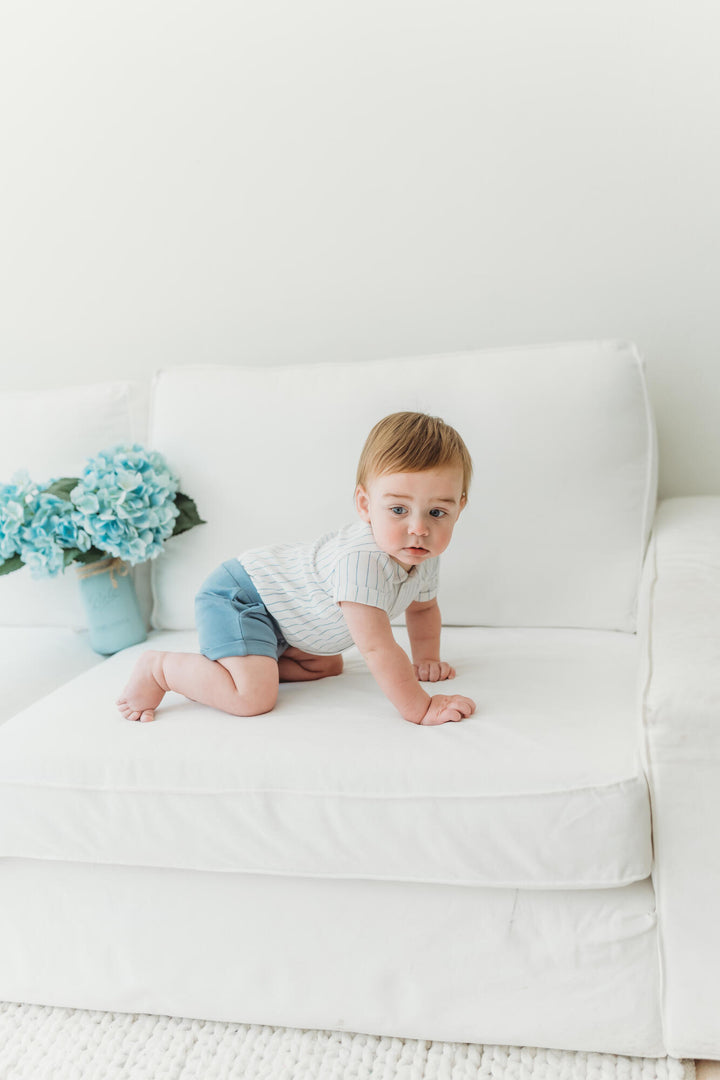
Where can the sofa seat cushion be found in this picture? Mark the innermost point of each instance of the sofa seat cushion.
(541, 788)
(36, 660)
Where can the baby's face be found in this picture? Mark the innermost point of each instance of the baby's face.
(412, 514)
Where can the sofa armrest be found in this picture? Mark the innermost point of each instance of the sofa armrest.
(679, 629)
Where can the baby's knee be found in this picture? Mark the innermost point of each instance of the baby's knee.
(254, 701)
(251, 686)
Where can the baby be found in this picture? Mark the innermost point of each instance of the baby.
(286, 613)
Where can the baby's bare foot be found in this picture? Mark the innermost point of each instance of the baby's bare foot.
(143, 693)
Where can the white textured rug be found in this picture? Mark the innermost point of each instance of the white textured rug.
(39, 1043)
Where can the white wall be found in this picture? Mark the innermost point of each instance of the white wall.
(267, 181)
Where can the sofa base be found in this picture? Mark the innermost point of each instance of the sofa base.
(575, 970)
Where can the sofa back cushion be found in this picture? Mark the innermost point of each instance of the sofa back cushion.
(51, 433)
(564, 489)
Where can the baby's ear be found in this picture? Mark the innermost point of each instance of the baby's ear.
(362, 503)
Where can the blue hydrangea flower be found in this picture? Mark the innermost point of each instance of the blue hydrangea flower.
(55, 527)
(38, 526)
(17, 507)
(125, 500)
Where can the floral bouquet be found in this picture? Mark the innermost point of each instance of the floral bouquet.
(126, 505)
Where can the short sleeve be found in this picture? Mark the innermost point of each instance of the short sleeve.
(364, 577)
(429, 586)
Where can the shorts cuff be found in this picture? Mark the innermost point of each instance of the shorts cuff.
(240, 648)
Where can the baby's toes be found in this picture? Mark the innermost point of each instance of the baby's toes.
(127, 711)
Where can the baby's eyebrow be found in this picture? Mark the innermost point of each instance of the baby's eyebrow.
(438, 499)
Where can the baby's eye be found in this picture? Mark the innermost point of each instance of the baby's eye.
(438, 513)
(397, 510)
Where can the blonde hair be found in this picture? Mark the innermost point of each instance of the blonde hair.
(412, 442)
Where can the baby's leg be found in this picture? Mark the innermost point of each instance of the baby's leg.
(241, 685)
(297, 666)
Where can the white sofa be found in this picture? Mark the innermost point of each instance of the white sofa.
(543, 874)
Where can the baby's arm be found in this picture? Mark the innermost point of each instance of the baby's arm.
(371, 631)
(424, 623)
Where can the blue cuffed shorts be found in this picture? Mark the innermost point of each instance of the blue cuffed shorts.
(231, 618)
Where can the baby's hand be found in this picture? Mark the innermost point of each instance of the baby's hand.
(447, 707)
(433, 671)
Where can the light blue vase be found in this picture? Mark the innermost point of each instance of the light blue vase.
(108, 593)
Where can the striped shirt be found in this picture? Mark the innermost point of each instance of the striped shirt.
(302, 585)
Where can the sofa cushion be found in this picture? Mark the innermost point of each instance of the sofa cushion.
(541, 788)
(36, 660)
(560, 506)
(51, 433)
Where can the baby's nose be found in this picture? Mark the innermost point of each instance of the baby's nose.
(418, 527)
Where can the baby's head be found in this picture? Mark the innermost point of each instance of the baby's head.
(412, 483)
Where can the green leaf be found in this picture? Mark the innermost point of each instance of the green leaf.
(188, 516)
(63, 487)
(13, 563)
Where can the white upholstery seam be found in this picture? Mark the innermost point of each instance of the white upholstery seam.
(531, 886)
(652, 554)
(322, 794)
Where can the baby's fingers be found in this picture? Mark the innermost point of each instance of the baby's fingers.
(464, 705)
(456, 708)
(450, 715)
(433, 671)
